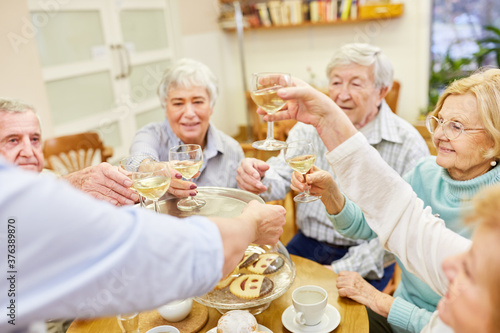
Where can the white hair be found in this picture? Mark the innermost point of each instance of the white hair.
(187, 73)
(365, 55)
(10, 105)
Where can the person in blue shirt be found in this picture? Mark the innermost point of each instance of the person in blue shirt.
(72, 255)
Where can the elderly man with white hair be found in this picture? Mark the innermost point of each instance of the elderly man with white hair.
(360, 76)
(21, 144)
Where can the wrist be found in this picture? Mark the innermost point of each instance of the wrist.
(334, 201)
(382, 304)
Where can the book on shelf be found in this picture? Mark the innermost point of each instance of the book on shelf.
(264, 16)
(275, 12)
(346, 7)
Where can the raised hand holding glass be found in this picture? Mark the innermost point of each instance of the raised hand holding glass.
(300, 156)
(264, 93)
(187, 160)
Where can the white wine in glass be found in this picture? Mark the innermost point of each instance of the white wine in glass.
(152, 181)
(264, 93)
(187, 160)
(300, 156)
(131, 164)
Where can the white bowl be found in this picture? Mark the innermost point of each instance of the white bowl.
(176, 310)
(164, 329)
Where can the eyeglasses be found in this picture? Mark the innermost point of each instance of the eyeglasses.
(451, 129)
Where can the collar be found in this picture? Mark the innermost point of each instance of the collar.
(384, 127)
(214, 141)
(466, 189)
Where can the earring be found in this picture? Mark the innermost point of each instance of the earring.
(493, 163)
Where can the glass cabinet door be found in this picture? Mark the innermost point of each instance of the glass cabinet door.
(102, 62)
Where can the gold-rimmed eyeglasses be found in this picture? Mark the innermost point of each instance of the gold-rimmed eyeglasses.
(451, 129)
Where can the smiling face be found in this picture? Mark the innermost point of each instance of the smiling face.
(20, 140)
(467, 305)
(463, 156)
(188, 112)
(352, 87)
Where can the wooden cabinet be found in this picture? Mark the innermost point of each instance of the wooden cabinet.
(276, 14)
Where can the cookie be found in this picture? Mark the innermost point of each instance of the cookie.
(249, 259)
(228, 279)
(268, 263)
(250, 286)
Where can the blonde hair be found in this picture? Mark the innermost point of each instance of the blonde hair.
(485, 86)
(486, 214)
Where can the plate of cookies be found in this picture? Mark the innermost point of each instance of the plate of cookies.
(264, 274)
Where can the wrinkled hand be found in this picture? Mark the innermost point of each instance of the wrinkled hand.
(320, 183)
(181, 188)
(269, 220)
(304, 103)
(104, 182)
(310, 106)
(352, 285)
(249, 173)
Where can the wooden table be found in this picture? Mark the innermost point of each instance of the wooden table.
(353, 315)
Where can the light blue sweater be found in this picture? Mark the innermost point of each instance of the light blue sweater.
(414, 300)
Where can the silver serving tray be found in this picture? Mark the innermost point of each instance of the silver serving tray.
(221, 202)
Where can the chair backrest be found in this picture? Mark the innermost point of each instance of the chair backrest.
(69, 153)
(392, 96)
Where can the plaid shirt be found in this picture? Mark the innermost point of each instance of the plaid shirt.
(399, 144)
(221, 155)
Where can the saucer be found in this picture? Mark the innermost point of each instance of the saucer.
(261, 328)
(329, 322)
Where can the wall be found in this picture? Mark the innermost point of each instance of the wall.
(405, 40)
(20, 67)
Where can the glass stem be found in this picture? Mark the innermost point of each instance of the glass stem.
(270, 131)
(141, 201)
(157, 206)
(306, 187)
(190, 197)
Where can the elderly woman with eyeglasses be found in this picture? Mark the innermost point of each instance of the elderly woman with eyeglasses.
(465, 127)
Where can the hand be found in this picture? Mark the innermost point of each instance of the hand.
(249, 174)
(269, 221)
(104, 182)
(352, 285)
(320, 183)
(311, 106)
(181, 188)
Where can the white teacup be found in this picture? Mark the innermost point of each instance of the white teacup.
(309, 303)
(176, 310)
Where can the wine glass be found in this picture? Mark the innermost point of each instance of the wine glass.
(150, 178)
(300, 156)
(129, 323)
(264, 93)
(187, 159)
(130, 164)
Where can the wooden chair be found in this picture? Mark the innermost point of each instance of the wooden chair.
(70, 153)
(392, 96)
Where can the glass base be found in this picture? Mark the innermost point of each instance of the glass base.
(269, 145)
(190, 204)
(304, 197)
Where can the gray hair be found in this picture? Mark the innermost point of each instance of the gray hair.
(365, 55)
(10, 105)
(187, 73)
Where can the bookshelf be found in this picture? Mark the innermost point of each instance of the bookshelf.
(275, 14)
